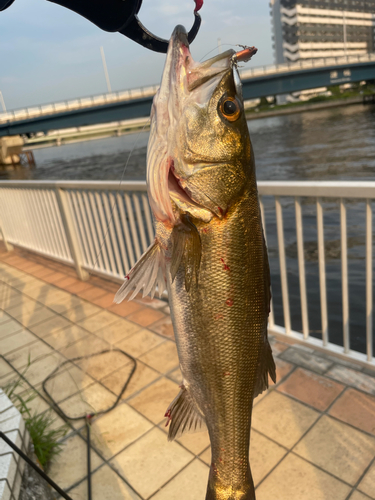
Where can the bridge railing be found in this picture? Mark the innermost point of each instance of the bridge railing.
(137, 93)
(307, 63)
(79, 103)
(104, 227)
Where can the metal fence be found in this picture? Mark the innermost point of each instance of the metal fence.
(104, 227)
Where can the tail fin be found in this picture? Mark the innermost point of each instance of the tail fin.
(148, 273)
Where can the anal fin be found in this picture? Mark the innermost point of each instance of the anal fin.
(148, 273)
(266, 367)
(183, 416)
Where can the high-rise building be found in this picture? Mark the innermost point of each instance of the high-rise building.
(310, 29)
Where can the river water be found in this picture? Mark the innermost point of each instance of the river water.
(332, 144)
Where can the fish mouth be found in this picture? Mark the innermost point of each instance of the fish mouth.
(183, 79)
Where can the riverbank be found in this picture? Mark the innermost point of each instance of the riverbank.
(300, 108)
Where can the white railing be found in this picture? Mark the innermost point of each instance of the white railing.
(104, 227)
(139, 93)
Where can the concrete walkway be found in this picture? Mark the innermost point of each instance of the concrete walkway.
(313, 434)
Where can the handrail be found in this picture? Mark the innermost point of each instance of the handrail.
(326, 189)
(103, 227)
(150, 90)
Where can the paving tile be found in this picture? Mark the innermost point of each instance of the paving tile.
(91, 399)
(150, 462)
(176, 376)
(70, 465)
(162, 358)
(41, 368)
(153, 401)
(101, 365)
(27, 304)
(282, 419)
(195, 442)
(353, 378)
(206, 456)
(306, 360)
(82, 311)
(10, 298)
(189, 484)
(49, 326)
(77, 286)
(310, 388)
(30, 316)
(142, 377)
(43, 272)
(154, 303)
(164, 327)
(67, 381)
(140, 342)
(117, 331)
(9, 328)
(85, 347)
(29, 354)
(67, 280)
(338, 449)
(53, 277)
(357, 409)
(296, 479)
(264, 455)
(16, 341)
(278, 347)
(5, 370)
(367, 484)
(283, 368)
(99, 321)
(114, 431)
(359, 496)
(66, 337)
(106, 485)
(105, 300)
(92, 293)
(35, 403)
(125, 308)
(146, 316)
(4, 317)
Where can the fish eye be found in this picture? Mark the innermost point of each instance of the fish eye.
(230, 109)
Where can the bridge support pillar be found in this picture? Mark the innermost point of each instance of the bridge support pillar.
(10, 149)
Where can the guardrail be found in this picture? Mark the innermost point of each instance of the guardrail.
(138, 93)
(104, 227)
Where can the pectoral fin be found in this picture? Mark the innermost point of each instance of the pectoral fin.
(183, 416)
(148, 273)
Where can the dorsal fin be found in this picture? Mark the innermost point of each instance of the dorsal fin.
(183, 416)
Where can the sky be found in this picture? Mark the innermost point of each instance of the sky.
(50, 54)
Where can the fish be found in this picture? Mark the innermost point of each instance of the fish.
(210, 255)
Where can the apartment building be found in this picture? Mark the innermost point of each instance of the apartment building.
(310, 29)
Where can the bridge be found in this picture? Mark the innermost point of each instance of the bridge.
(135, 103)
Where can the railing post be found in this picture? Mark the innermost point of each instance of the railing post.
(8, 246)
(71, 236)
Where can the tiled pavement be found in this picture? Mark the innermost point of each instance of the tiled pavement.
(313, 433)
